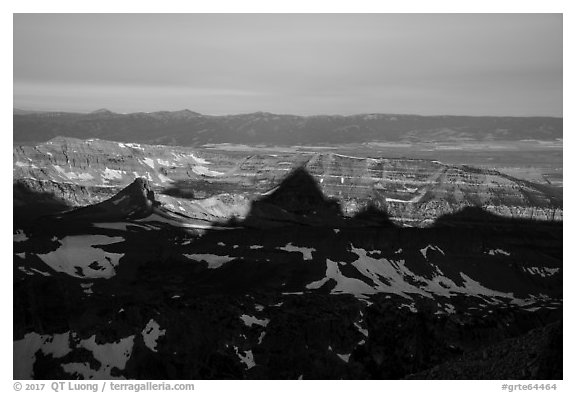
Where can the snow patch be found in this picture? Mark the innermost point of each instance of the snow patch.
(398, 200)
(247, 358)
(269, 191)
(25, 164)
(45, 274)
(362, 331)
(87, 288)
(306, 252)
(345, 357)
(498, 251)
(541, 271)
(164, 179)
(424, 251)
(73, 175)
(19, 236)
(151, 334)
(111, 174)
(149, 162)
(203, 171)
(199, 160)
(214, 261)
(250, 320)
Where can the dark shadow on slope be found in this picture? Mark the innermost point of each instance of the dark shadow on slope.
(29, 204)
(203, 188)
(477, 216)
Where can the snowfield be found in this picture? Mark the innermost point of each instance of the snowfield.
(26, 348)
(110, 355)
(80, 256)
(393, 276)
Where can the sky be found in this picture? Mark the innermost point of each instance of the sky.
(306, 64)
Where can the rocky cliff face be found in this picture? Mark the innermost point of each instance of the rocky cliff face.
(202, 183)
(105, 163)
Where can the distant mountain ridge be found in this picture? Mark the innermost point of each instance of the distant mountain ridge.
(188, 128)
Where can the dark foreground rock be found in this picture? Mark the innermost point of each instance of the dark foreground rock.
(102, 293)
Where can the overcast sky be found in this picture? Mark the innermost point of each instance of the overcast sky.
(473, 64)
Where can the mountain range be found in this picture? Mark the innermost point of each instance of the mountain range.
(146, 261)
(188, 128)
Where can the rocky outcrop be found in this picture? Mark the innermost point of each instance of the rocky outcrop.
(133, 202)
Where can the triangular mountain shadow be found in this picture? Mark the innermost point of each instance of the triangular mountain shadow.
(133, 202)
(298, 199)
(300, 193)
